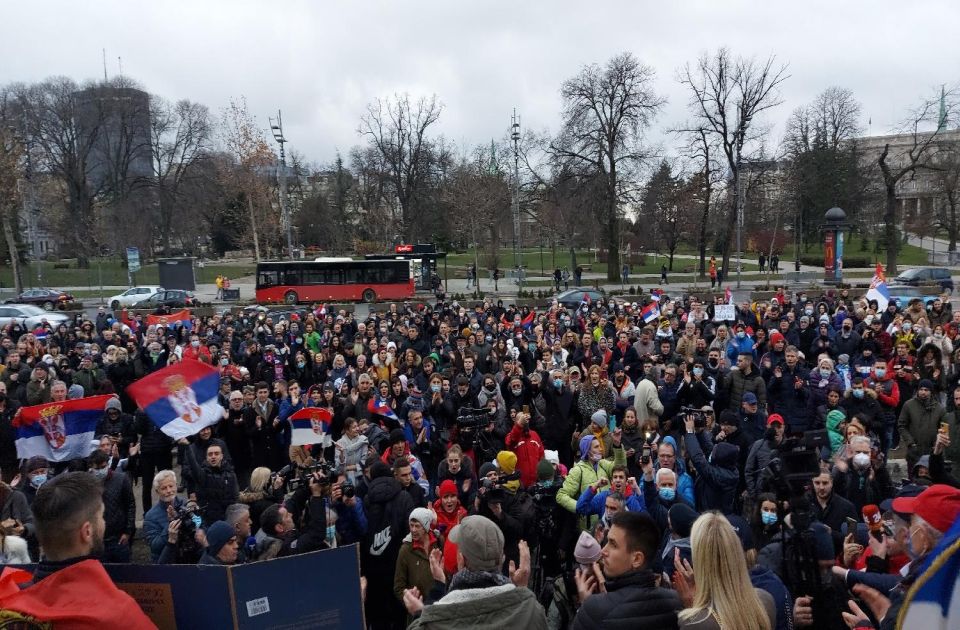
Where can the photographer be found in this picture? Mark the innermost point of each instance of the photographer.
(158, 517)
(279, 536)
(351, 519)
(717, 478)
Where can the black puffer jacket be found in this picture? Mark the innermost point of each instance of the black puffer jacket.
(631, 602)
(153, 441)
(216, 487)
(388, 510)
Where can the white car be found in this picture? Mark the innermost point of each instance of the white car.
(29, 315)
(132, 296)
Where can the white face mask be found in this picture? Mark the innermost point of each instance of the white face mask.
(861, 460)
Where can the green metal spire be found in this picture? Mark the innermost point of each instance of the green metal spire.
(493, 168)
(942, 118)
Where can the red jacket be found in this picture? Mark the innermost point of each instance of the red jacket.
(529, 450)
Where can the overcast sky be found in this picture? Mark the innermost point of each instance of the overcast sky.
(322, 61)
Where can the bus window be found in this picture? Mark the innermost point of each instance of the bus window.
(353, 275)
(291, 277)
(267, 278)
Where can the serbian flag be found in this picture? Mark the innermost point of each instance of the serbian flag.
(321, 311)
(182, 316)
(181, 399)
(381, 408)
(59, 431)
(311, 425)
(728, 296)
(650, 312)
(878, 289)
(934, 599)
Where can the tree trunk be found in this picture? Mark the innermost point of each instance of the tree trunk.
(613, 230)
(253, 228)
(672, 249)
(12, 251)
(702, 239)
(890, 229)
(953, 228)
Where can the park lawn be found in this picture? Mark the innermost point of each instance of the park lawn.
(109, 272)
(458, 262)
(907, 255)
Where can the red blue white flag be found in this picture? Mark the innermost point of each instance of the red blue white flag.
(59, 431)
(311, 425)
(381, 408)
(182, 316)
(650, 312)
(181, 399)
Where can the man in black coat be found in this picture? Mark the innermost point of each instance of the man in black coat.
(718, 477)
(216, 483)
(632, 599)
(119, 509)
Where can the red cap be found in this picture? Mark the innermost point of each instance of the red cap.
(447, 487)
(938, 505)
(775, 417)
(776, 337)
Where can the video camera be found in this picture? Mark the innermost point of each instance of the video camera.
(473, 418)
(300, 476)
(190, 516)
(699, 420)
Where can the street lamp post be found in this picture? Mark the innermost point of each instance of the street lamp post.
(276, 126)
(515, 137)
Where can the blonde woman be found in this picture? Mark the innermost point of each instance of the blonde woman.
(724, 597)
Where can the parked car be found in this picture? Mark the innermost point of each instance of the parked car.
(29, 315)
(174, 298)
(903, 295)
(573, 298)
(49, 299)
(926, 276)
(132, 296)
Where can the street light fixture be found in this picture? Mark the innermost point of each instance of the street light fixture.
(276, 126)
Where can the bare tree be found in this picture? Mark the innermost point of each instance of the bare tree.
(252, 159)
(607, 109)
(12, 151)
(923, 129)
(701, 151)
(398, 128)
(727, 96)
(948, 175)
(180, 136)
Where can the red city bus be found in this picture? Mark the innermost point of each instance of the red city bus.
(336, 280)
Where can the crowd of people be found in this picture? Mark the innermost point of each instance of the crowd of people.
(567, 468)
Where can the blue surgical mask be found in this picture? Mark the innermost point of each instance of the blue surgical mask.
(667, 494)
(224, 361)
(768, 518)
(435, 388)
(38, 480)
(197, 519)
(825, 373)
(558, 383)
(907, 326)
(100, 473)
(697, 371)
(858, 393)
(741, 335)
(881, 372)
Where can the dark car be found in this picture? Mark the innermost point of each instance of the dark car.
(919, 276)
(49, 299)
(174, 298)
(905, 294)
(573, 298)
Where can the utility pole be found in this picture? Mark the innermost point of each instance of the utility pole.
(515, 136)
(276, 126)
(739, 220)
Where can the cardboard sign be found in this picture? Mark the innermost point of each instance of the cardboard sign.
(724, 312)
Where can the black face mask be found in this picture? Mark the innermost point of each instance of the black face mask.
(770, 434)
(714, 362)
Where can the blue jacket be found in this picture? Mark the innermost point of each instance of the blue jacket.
(591, 503)
(285, 433)
(155, 523)
(351, 524)
(737, 345)
(684, 480)
(767, 580)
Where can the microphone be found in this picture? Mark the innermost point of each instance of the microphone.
(874, 520)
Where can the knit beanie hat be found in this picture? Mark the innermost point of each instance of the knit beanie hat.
(682, 517)
(446, 488)
(587, 549)
(507, 461)
(545, 471)
(218, 535)
(585, 443)
(599, 418)
(422, 516)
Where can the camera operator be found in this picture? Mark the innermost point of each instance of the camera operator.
(351, 522)
(718, 477)
(279, 536)
(761, 453)
(158, 517)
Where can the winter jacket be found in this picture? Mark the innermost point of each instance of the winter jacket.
(761, 454)
(503, 607)
(766, 580)
(684, 480)
(867, 408)
(717, 479)
(633, 602)
(153, 441)
(788, 401)
(528, 447)
(737, 345)
(388, 509)
(593, 503)
(13, 504)
(739, 384)
(647, 400)
(216, 487)
(581, 476)
(859, 489)
(155, 523)
(919, 422)
(119, 506)
(413, 567)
